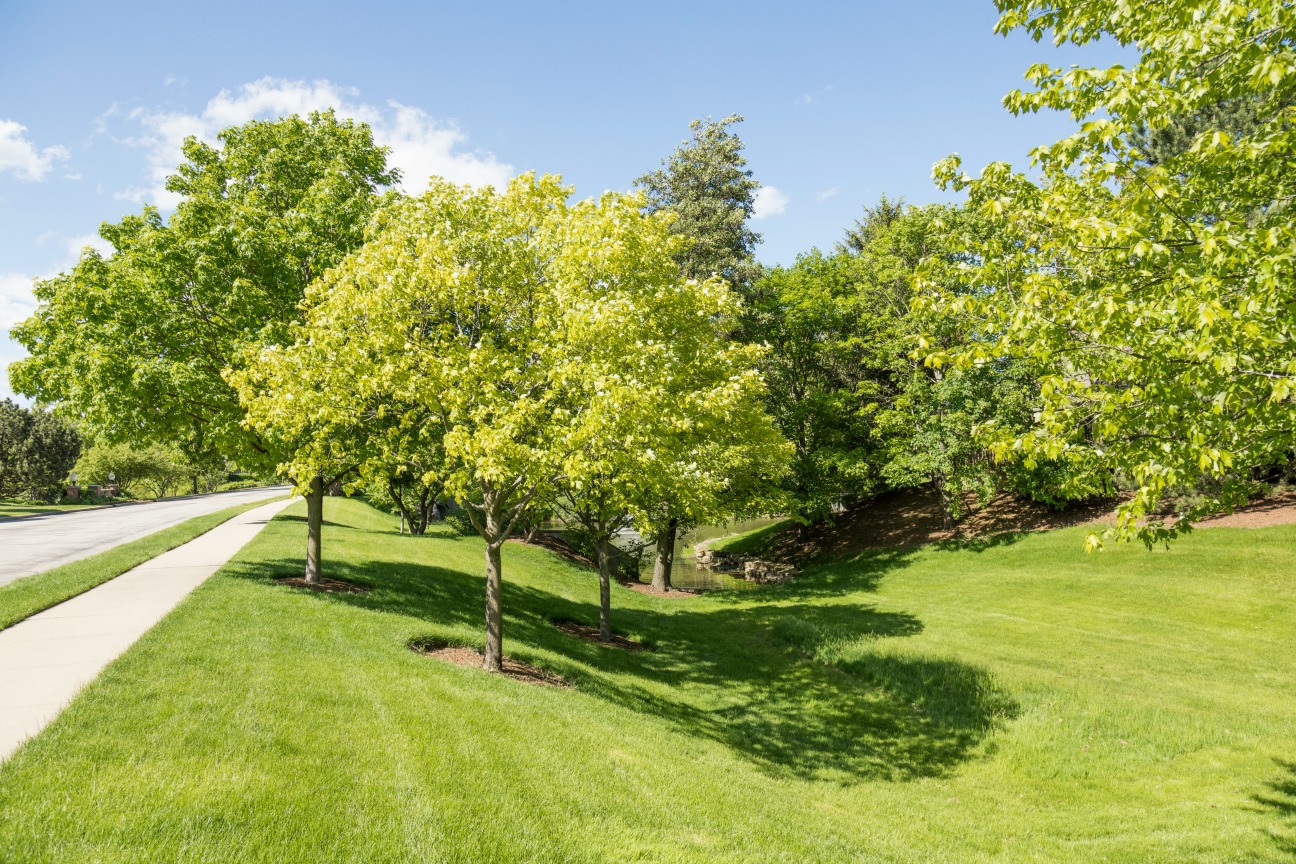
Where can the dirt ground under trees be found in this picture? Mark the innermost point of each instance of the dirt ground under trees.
(913, 518)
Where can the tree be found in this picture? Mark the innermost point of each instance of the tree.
(845, 386)
(503, 329)
(37, 450)
(830, 349)
(706, 185)
(138, 343)
(1157, 295)
(154, 471)
(674, 410)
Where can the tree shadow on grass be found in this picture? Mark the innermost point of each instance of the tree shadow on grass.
(757, 677)
(752, 679)
(1279, 800)
(289, 517)
(861, 571)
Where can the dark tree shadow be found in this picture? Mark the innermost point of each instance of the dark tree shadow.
(1279, 800)
(288, 517)
(745, 673)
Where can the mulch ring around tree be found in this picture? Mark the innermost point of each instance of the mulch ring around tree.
(327, 586)
(471, 658)
(591, 634)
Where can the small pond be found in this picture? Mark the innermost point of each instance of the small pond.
(685, 573)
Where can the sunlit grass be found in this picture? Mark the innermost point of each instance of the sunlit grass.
(11, 508)
(1014, 701)
(25, 597)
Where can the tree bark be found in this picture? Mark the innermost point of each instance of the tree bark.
(605, 590)
(314, 527)
(665, 559)
(494, 659)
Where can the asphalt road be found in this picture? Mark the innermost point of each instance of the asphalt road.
(34, 544)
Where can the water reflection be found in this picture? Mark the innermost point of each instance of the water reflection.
(686, 573)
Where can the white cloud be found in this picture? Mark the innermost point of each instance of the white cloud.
(20, 156)
(812, 98)
(16, 300)
(420, 144)
(827, 193)
(769, 202)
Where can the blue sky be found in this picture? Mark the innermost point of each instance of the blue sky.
(843, 101)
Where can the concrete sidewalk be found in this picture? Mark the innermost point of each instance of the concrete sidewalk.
(47, 659)
(34, 544)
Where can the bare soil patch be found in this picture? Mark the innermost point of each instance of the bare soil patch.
(326, 586)
(591, 634)
(471, 658)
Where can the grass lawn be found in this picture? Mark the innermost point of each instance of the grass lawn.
(10, 508)
(30, 594)
(751, 542)
(1013, 701)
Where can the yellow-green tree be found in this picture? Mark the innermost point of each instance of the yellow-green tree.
(671, 405)
(1159, 291)
(505, 331)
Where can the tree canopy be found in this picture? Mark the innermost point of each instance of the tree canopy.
(514, 335)
(136, 343)
(1156, 293)
(707, 185)
(37, 450)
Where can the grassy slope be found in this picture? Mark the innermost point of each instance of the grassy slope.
(1015, 702)
(31, 594)
(751, 542)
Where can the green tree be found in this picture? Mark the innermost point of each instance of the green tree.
(504, 330)
(674, 410)
(711, 193)
(138, 343)
(37, 450)
(863, 411)
(154, 471)
(705, 183)
(1157, 296)
(830, 348)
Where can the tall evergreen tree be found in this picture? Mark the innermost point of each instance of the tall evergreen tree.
(707, 185)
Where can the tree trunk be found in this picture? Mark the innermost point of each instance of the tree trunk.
(665, 560)
(314, 527)
(605, 590)
(195, 484)
(494, 660)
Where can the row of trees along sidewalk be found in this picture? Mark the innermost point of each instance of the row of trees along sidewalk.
(531, 349)
(508, 348)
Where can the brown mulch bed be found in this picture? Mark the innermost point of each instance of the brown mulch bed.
(591, 634)
(674, 593)
(910, 518)
(328, 586)
(471, 658)
(1266, 513)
